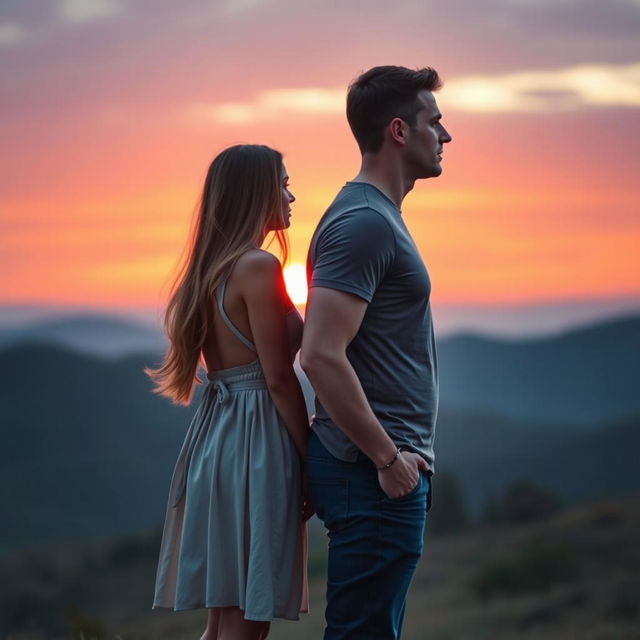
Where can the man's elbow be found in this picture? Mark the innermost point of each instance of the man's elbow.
(314, 360)
(306, 360)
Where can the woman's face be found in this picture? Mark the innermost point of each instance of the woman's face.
(283, 221)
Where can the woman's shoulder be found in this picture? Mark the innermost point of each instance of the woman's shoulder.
(257, 263)
(257, 260)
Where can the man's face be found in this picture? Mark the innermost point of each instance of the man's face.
(426, 139)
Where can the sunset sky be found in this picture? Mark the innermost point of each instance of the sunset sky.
(112, 111)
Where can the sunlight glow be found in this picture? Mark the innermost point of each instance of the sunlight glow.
(295, 278)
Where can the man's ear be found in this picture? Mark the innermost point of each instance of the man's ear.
(397, 128)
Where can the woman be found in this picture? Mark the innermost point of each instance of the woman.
(233, 540)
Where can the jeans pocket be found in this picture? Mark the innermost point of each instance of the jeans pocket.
(330, 497)
(408, 496)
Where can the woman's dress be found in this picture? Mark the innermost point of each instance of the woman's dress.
(233, 534)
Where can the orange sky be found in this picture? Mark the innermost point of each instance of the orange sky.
(112, 114)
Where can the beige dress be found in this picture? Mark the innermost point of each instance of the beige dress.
(233, 534)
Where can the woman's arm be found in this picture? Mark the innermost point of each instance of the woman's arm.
(265, 296)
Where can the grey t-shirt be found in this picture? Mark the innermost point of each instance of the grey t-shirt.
(362, 246)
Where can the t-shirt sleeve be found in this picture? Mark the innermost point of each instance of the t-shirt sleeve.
(354, 253)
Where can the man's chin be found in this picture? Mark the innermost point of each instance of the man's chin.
(433, 172)
(437, 170)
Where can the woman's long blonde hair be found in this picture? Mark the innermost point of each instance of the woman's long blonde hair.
(242, 194)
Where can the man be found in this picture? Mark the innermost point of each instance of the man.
(369, 352)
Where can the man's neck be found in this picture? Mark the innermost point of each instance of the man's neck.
(388, 177)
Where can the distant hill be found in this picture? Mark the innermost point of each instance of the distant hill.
(88, 450)
(103, 335)
(486, 453)
(582, 377)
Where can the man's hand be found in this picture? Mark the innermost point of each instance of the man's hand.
(403, 475)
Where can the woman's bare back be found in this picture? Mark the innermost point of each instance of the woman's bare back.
(222, 349)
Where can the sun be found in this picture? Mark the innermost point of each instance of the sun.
(295, 278)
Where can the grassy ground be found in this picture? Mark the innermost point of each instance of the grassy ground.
(574, 577)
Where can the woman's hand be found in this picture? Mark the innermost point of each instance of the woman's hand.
(307, 508)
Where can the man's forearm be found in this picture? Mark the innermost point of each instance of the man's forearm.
(338, 388)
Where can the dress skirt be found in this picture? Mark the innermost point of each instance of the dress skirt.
(233, 534)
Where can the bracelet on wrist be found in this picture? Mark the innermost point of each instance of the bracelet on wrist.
(390, 463)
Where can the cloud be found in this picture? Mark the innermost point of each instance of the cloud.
(82, 11)
(568, 89)
(12, 33)
(236, 7)
(272, 105)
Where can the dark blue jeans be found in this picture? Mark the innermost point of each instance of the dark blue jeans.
(374, 544)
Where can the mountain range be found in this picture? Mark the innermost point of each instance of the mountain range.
(88, 449)
(102, 335)
(581, 377)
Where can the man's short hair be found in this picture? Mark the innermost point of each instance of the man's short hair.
(384, 93)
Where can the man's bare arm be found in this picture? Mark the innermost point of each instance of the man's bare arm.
(331, 322)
